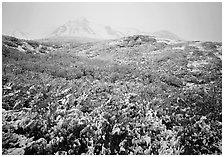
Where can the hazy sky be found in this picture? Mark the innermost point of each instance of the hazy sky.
(191, 21)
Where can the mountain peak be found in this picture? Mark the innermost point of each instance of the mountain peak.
(82, 27)
(166, 35)
(18, 33)
(79, 20)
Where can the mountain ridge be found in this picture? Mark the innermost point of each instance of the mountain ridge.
(81, 27)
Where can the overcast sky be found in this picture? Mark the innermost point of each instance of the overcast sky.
(191, 21)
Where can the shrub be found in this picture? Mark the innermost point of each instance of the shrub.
(172, 80)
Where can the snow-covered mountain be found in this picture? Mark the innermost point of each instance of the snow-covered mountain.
(18, 33)
(166, 35)
(81, 27)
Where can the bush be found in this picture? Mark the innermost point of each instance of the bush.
(10, 43)
(62, 104)
(172, 80)
(209, 45)
(34, 44)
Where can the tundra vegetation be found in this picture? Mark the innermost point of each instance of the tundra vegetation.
(134, 95)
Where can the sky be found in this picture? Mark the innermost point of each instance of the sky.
(190, 21)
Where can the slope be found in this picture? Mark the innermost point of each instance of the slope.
(134, 95)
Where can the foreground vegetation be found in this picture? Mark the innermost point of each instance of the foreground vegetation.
(129, 96)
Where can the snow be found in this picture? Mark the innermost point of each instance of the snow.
(81, 27)
(20, 48)
(179, 48)
(28, 46)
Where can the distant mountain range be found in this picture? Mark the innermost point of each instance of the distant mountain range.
(83, 28)
(18, 33)
(166, 35)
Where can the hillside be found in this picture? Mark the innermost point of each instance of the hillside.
(133, 95)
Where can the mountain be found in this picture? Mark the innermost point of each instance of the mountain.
(18, 33)
(166, 35)
(81, 27)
